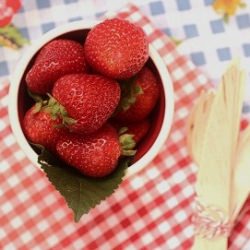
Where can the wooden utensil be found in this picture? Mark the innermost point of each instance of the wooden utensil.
(242, 174)
(213, 132)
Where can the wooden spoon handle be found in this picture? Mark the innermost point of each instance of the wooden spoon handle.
(209, 244)
(241, 180)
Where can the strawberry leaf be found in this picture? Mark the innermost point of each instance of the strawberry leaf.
(11, 37)
(242, 5)
(80, 192)
(226, 18)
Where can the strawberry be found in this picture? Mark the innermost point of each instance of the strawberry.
(89, 100)
(95, 154)
(116, 48)
(138, 130)
(56, 59)
(40, 128)
(139, 97)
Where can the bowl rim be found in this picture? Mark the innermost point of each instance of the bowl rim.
(81, 25)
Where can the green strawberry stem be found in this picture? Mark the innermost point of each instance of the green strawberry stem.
(130, 90)
(128, 144)
(58, 111)
(40, 102)
(52, 106)
(35, 97)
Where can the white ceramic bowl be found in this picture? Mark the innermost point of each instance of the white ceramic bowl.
(72, 30)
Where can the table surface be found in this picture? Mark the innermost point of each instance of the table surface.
(203, 35)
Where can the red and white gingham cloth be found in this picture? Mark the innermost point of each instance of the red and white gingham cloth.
(151, 210)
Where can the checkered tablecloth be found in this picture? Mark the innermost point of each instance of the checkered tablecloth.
(151, 210)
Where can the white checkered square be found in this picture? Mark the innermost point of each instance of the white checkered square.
(173, 242)
(13, 181)
(164, 227)
(16, 222)
(138, 225)
(137, 182)
(148, 29)
(158, 44)
(180, 216)
(147, 238)
(163, 187)
(26, 236)
(6, 207)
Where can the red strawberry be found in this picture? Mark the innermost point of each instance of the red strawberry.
(94, 155)
(116, 48)
(139, 97)
(138, 130)
(88, 99)
(40, 128)
(56, 59)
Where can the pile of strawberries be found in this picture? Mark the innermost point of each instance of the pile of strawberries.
(93, 99)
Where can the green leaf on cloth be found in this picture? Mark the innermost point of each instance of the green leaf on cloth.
(175, 40)
(11, 37)
(80, 192)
